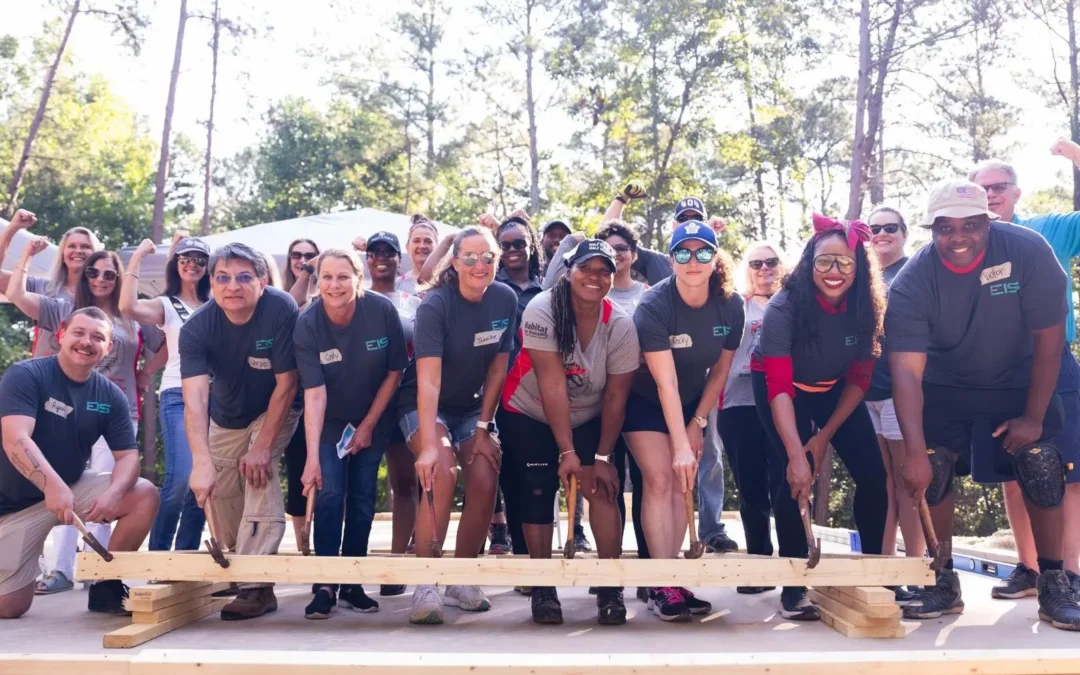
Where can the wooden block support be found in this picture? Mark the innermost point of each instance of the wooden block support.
(165, 590)
(728, 570)
(878, 608)
(137, 633)
(166, 613)
(850, 614)
(133, 604)
(847, 629)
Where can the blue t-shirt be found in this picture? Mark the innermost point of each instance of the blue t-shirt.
(1062, 232)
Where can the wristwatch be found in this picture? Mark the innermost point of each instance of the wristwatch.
(606, 459)
(486, 426)
(701, 421)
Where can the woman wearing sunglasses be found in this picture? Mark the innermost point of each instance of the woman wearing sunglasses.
(187, 287)
(99, 287)
(811, 367)
(447, 401)
(299, 277)
(688, 324)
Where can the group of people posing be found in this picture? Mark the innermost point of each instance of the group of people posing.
(526, 359)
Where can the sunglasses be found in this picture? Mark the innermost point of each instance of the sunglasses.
(94, 273)
(704, 255)
(688, 215)
(244, 278)
(470, 259)
(997, 188)
(198, 261)
(621, 248)
(514, 244)
(891, 228)
(297, 255)
(767, 262)
(826, 261)
(382, 253)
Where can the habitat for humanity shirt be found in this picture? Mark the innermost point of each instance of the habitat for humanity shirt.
(70, 417)
(467, 336)
(241, 360)
(975, 325)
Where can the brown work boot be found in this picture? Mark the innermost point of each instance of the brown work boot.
(250, 603)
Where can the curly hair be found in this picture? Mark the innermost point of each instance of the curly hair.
(619, 229)
(536, 252)
(722, 282)
(445, 274)
(866, 298)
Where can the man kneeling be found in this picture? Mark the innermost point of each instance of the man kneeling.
(52, 411)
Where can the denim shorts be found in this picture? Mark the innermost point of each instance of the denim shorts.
(460, 427)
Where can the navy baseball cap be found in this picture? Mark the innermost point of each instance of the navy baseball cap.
(555, 223)
(192, 245)
(388, 238)
(690, 204)
(692, 230)
(588, 249)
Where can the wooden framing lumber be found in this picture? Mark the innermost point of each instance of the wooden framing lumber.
(169, 612)
(729, 570)
(876, 609)
(165, 590)
(134, 604)
(847, 629)
(135, 634)
(850, 614)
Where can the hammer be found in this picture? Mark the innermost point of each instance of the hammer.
(436, 548)
(305, 530)
(212, 543)
(812, 543)
(571, 508)
(697, 549)
(938, 555)
(90, 539)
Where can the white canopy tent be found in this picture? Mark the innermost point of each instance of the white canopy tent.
(39, 264)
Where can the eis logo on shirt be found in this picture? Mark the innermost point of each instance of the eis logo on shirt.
(101, 408)
(377, 344)
(721, 331)
(490, 337)
(261, 345)
(851, 341)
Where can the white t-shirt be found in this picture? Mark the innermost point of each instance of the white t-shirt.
(170, 377)
(739, 391)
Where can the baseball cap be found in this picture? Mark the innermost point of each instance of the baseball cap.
(555, 223)
(591, 248)
(690, 204)
(388, 238)
(955, 198)
(692, 230)
(192, 245)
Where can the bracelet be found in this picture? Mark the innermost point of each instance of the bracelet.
(564, 454)
(132, 274)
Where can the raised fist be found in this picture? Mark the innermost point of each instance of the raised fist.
(718, 226)
(37, 245)
(487, 220)
(520, 213)
(360, 244)
(146, 247)
(1063, 147)
(634, 189)
(23, 219)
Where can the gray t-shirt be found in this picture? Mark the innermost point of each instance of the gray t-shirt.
(45, 342)
(739, 391)
(406, 305)
(628, 298)
(466, 336)
(613, 350)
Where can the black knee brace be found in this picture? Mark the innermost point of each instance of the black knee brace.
(942, 467)
(540, 484)
(1040, 471)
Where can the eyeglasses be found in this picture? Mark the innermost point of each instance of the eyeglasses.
(244, 278)
(704, 255)
(197, 260)
(998, 188)
(767, 262)
(514, 244)
(470, 259)
(826, 261)
(621, 248)
(382, 253)
(891, 228)
(297, 255)
(688, 215)
(94, 273)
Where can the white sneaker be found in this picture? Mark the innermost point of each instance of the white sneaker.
(468, 598)
(427, 607)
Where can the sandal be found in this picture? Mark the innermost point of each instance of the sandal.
(53, 582)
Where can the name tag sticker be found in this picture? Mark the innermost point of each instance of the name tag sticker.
(58, 408)
(487, 337)
(259, 364)
(680, 341)
(996, 273)
(330, 356)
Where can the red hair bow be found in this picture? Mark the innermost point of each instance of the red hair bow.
(855, 230)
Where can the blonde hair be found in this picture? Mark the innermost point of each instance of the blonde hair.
(342, 254)
(59, 273)
(745, 276)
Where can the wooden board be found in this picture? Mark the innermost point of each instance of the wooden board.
(169, 612)
(137, 633)
(847, 629)
(201, 590)
(849, 614)
(876, 610)
(730, 570)
(165, 590)
(64, 664)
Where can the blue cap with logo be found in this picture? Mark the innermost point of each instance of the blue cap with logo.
(589, 249)
(692, 230)
(690, 204)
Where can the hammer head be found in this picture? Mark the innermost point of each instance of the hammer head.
(814, 555)
(93, 543)
(215, 552)
(568, 548)
(305, 538)
(696, 550)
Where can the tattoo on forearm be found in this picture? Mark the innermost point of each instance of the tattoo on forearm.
(27, 464)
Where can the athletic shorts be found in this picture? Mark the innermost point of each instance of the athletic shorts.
(883, 415)
(643, 414)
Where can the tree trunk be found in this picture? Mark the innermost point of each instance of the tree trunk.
(759, 171)
(157, 225)
(215, 43)
(149, 429)
(859, 149)
(781, 198)
(530, 106)
(877, 178)
(39, 116)
(1074, 95)
(430, 111)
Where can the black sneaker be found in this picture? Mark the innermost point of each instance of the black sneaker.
(721, 543)
(388, 590)
(546, 608)
(500, 539)
(902, 596)
(321, 605)
(753, 590)
(668, 604)
(611, 610)
(353, 597)
(696, 605)
(581, 543)
(941, 598)
(1074, 584)
(1057, 606)
(107, 597)
(795, 606)
(644, 593)
(1020, 583)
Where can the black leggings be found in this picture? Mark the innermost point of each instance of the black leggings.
(856, 444)
(636, 494)
(756, 471)
(295, 458)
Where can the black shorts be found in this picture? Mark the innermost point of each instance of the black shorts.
(643, 414)
(529, 441)
(963, 420)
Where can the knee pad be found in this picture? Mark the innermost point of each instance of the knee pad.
(539, 486)
(1040, 470)
(942, 467)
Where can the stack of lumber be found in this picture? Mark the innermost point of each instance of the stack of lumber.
(157, 609)
(859, 611)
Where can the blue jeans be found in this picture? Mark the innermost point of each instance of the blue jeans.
(711, 483)
(177, 501)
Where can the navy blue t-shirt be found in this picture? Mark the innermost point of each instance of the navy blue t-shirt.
(241, 360)
(70, 417)
(881, 379)
(350, 361)
(975, 328)
(467, 336)
(695, 336)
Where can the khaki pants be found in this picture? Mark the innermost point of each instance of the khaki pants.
(249, 521)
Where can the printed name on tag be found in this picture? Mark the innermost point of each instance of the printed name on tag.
(996, 273)
(680, 341)
(259, 364)
(329, 356)
(58, 408)
(488, 337)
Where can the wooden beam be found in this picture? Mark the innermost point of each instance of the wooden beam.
(849, 614)
(135, 634)
(169, 612)
(848, 629)
(732, 570)
(166, 590)
(64, 664)
(200, 590)
(851, 597)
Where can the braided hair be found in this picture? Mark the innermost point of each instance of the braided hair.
(562, 309)
(536, 252)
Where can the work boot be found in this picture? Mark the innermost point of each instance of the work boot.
(901, 595)
(500, 539)
(753, 590)
(668, 604)
(941, 598)
(427, 606)
(321, 605)
(468, 598)
(795, 606)
(611, 610)
(696, 605)
(229, 592)
(107, 597)
(352, 597)
(250, 603)
(721, 543)
(546, 609)
(388, 590)
(1020, 583)
(1074, 584)
(581, 543)
(1057, 606)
